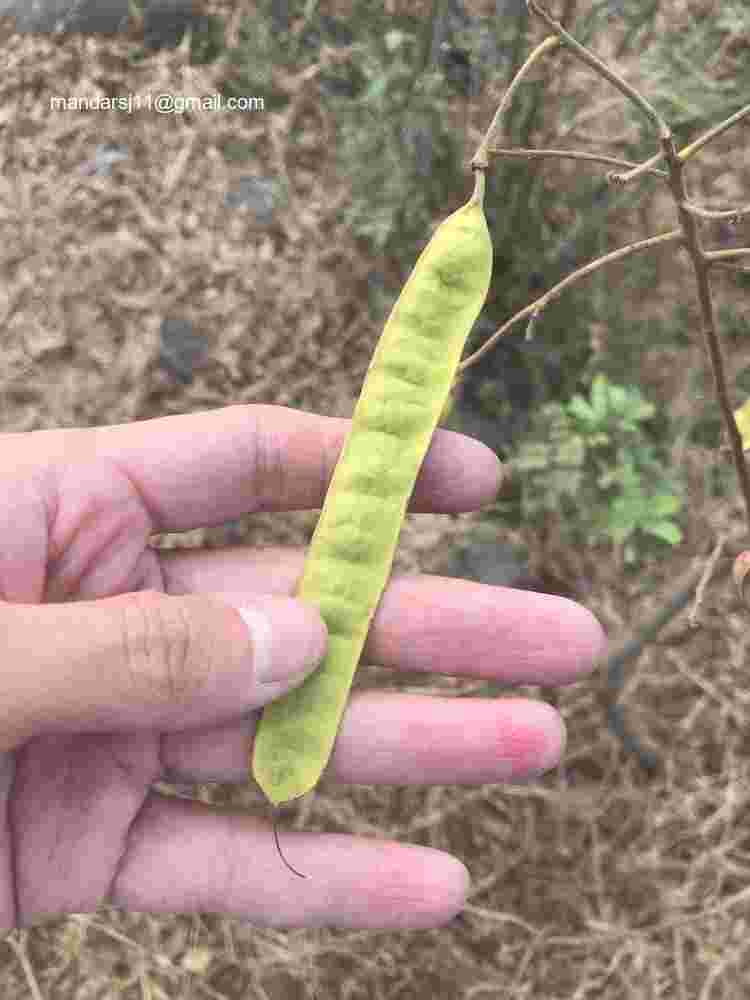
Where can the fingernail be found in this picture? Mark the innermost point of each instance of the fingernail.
(555, 734)
(288, 640)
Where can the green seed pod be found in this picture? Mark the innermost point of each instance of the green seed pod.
(349, 560)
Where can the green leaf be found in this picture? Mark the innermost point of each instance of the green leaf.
(664, 505)
(580, 409)
(622, 522)
(668, 531)
(376, 90)
(645, 410)
(600, 396)
(619, 398)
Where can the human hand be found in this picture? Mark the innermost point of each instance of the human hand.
(125, 665)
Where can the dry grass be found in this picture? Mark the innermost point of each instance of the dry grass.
(597, 881)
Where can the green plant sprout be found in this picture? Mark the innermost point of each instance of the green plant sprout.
(593, 455)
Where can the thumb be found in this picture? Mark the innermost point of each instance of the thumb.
(149, 661)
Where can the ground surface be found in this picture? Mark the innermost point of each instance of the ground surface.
(597, 881)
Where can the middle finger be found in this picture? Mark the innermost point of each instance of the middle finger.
(428, 624)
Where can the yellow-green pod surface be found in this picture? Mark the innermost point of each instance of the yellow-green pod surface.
(351, 552)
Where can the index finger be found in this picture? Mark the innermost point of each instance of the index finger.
(201, 469)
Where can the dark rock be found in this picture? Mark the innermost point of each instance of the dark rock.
(487, 560)
(96, 16)
(105, 156)
(165, 21)
(181, 348)
(567, 257)
(257, 193)
(281, 15)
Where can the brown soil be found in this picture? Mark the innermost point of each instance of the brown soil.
(598, 880)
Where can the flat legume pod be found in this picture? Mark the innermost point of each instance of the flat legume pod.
(349, 560)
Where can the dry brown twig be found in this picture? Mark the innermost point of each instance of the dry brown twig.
(706, 575)
(686, 236)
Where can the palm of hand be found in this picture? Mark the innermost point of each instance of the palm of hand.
(83, 822)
